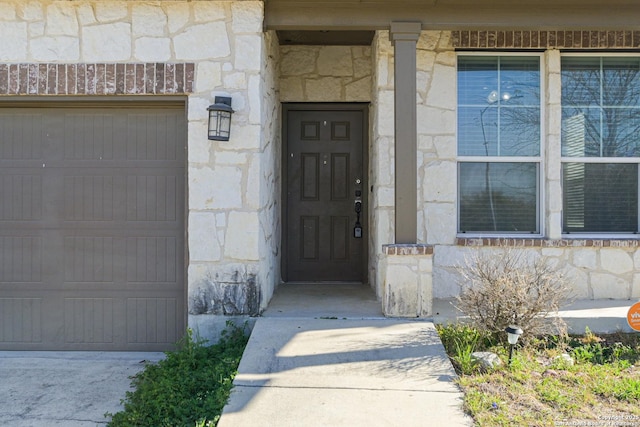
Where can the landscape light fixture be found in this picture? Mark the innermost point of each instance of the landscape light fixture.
(513, 333)
(220, 119)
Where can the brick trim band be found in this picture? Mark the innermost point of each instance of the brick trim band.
(96, 79)
(546, 39)
(548, 243)
(407, 249)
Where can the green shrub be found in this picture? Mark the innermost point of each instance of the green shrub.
(191, 385)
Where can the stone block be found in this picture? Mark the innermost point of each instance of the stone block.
(248, 53)
(85, 15)
(254, 179)
(616, 261)
(148, 20)
(219, 188)
(579, 282)
(585, 258)
(199, 146)
(291, 89)
(247, 16)
(438, 184)
(385, 122)
(208, 76)
(245, 137)
(204, 11)
(425, 60)
(235, 81)
(243, 231)
(111, 11)
(58, 48)
(203, 237)
(636, 259)
(36, 29)
(61, 20)
(224, 157)
(324, 89)
(440, 92)
(359, 90)
(28, 11)
(14, 41)
(225, 294)
(362, 67)
(486, 359)
(445, 281)
(335, 61)
(428, 40)
(195, 42)
(441, 223)
(446, 147)
(257, 102)
(426, 288)
(298, 62)
(152, 49)
(609, 286)
(400, 290)
(106, 42)
(635, 287)
(435, 121)
(178, 15)
(386, 196)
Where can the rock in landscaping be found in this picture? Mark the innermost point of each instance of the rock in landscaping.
(486, 359)
(564, 360)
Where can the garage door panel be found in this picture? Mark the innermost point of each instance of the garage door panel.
(20, 259)
(90, 136)
(89, 259)
(152, 259)
(20, 139)
(21, 320)
(92, 228)
(89, 320)
(21, 196)
(153, 197)
(152, 320)
(151, 136)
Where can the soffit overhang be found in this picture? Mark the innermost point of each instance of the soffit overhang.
(341, 15)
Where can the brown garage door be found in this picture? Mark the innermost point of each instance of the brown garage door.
(92, 227)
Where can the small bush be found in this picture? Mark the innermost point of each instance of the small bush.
(191, 385)
(507, 287)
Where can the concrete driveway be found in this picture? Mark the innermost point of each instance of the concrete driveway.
(70, 389)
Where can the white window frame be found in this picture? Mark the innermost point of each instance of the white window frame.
(566, 159)
(539, 160)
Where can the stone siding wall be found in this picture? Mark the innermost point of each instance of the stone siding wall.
(197, 48)
(325, 74)
(596, 272)
(597, 268)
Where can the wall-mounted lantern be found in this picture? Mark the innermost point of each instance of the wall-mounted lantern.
(220, 119)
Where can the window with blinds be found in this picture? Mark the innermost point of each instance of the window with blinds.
(600, 143)
(499, 144)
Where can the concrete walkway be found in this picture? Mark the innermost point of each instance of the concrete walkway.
(324, 358)
(66, 389)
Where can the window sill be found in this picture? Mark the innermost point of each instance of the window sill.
(549, 243)
(407, 249)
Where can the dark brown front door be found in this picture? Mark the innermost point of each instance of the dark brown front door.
(325, 187)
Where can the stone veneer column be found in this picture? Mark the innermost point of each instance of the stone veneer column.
(404, 36)
(553, 150)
